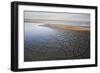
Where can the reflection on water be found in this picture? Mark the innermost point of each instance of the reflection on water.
(34, 33)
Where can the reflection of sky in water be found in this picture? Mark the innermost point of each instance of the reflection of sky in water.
(35, 33)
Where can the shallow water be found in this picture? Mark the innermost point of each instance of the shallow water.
(44, 43)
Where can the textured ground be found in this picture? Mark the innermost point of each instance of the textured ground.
(64, 44)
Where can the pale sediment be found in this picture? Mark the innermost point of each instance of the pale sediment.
(67, 27)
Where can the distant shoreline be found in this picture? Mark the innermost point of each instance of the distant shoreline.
(66, 27)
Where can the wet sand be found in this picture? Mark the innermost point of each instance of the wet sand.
(67, 27)
(64, 44)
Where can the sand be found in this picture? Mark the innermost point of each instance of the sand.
(67, 27)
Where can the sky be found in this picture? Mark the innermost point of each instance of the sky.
(56, 17)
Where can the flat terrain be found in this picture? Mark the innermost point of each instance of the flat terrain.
(46, 43)
(67, 27)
